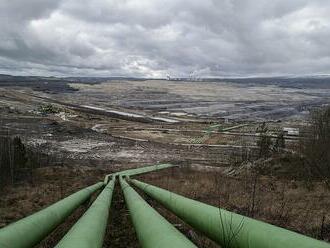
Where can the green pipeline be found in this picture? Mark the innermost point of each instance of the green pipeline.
(90, 229)
(30, 230)
(226, 228)
(151, 228)
(137, 171)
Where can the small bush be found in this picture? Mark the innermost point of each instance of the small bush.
(49, 109)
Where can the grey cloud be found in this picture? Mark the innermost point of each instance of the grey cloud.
(154, 38)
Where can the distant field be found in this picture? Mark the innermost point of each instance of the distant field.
(225, 99)
(237, 99)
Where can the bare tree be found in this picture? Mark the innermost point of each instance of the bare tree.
(264, 142)
(279, 144)
(316, 146)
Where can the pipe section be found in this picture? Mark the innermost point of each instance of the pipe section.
(137, 171)
(152, 229)
(90, 229)
(226, 228)
(30, 230)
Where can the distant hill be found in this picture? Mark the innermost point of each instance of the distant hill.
(61, 84)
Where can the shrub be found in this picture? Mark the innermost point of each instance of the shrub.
(49, 109)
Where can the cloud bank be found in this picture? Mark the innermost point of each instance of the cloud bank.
(155, 38)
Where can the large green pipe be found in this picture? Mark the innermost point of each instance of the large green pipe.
(151, 228)
(30, 230)
(228, 229)
(137, 171)
(141, 170)
(90, 229)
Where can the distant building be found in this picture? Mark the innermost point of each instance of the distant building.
(291, 131)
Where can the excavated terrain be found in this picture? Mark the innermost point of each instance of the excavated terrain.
(205, 128)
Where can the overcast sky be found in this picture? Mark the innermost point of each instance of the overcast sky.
(153, 38)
